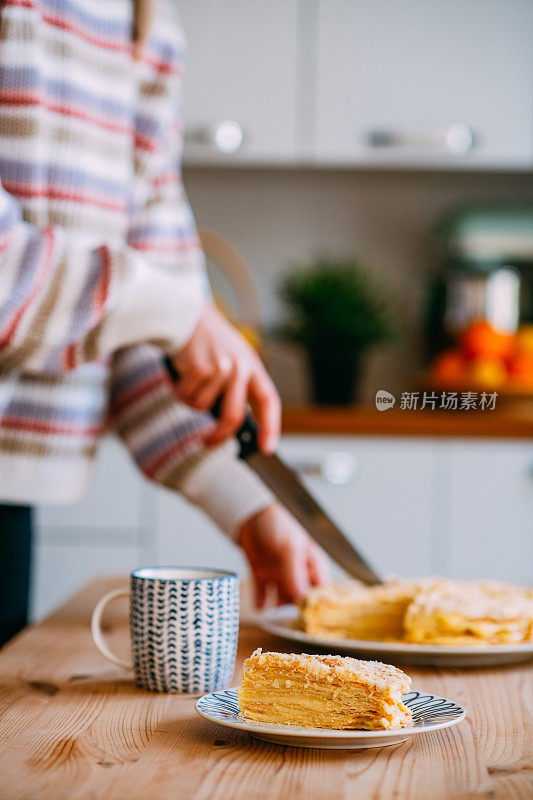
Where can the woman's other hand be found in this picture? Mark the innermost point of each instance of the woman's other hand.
(281, 554)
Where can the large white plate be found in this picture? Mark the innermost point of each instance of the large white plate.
(280, 621)
(430, 713)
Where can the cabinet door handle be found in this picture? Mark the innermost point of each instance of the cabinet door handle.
(457, 138)
(225, 136)
(337, 467)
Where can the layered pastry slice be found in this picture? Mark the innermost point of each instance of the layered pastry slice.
(462, 613)
(355, 611)
(323, 692)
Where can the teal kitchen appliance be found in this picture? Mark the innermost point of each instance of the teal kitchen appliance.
(485, 271)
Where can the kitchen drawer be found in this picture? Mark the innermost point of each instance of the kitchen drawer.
(385, 506)
(113, 501)
(490, 524)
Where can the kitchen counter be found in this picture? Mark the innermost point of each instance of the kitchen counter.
(367, 421)
(73, 727)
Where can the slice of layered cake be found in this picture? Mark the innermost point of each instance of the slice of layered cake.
(461, 612)
(355, 611)
(323, 692)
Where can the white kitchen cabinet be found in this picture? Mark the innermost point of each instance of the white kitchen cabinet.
(113, 500)
(417, 506)
(185, 536)
(386, 506)
(409, 83)
(430, 506)
(394, 78)
(490, 522)
(61, 567)
(241, 68)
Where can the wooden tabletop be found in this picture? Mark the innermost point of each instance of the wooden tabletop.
(72, 727)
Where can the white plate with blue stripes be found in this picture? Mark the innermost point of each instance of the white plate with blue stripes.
(430, 713)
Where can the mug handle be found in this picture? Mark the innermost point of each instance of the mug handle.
(96, 628)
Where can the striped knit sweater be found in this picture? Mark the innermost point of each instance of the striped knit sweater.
(100, 266)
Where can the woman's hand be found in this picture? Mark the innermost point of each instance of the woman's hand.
(217, 360)
(282, 554)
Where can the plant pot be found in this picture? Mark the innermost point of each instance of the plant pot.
(334, 376)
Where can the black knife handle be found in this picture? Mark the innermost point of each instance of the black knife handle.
(246, 435)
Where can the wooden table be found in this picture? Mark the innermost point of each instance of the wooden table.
(72, 726)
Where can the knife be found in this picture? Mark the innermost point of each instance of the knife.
(287, 487)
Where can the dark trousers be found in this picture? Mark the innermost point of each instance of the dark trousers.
(16, 529)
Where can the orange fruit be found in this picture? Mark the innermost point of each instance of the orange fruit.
(481, 340)
(489, 373)
(523, 340)
(521, 369)
(449, 368)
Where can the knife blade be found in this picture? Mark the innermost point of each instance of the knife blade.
(290, 491)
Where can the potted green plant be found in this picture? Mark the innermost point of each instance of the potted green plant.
(336, 312)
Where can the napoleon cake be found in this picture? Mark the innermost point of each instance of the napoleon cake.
(317, 691)
(462, 612)
(354, 611)
(435, 611)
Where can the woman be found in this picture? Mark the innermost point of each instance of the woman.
(101, 274)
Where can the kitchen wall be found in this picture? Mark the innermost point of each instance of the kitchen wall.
(275, 216)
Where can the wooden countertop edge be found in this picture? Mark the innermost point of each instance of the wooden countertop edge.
(363, 421)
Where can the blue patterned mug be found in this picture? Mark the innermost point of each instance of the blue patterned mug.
(184, 626)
